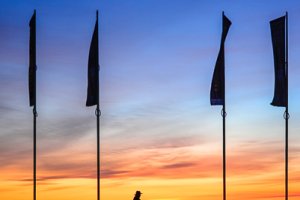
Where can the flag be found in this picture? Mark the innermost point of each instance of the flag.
(278, 42)
(217, 91)
(32, 61)
(93, 70)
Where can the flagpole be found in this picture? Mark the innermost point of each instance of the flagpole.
(224, 151)
(224, 136)
(98, 113)
(224, 140)
(34, 151)
(34, 110)
(286, 115)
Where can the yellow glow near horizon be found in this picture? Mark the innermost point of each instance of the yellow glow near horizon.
(152, 189)
(201, 180)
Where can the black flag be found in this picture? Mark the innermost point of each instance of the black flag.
(217, 91)
(93, 70)
(278, 42)
(32, 61)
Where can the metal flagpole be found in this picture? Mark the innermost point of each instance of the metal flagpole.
(34, 112)
(224, 145)
(98, 113)
(286, 114)
(224, 151)
(34, 151)
(224, 137)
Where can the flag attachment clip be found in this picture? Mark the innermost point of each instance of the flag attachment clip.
(286, 115)
(98, 112)
(34, 112)
(223, 113)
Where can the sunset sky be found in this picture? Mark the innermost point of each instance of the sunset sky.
(159, 133)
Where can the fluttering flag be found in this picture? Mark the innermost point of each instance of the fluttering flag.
(93, 70)
(278, 42)
(32, 61)
(217, 91)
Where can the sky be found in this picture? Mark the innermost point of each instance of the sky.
(158, 132)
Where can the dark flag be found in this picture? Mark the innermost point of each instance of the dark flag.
(93, 70)
(278, 42)
(32, 61)
(217, 91)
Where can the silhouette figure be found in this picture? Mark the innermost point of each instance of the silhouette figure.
(137, 195)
